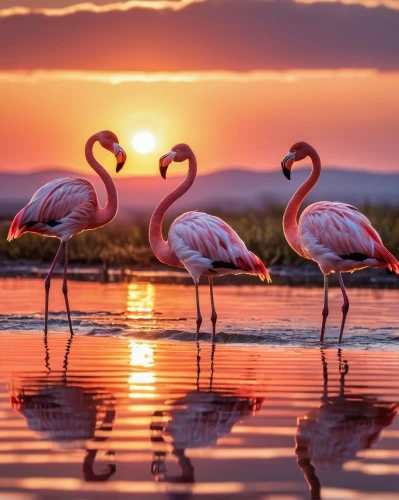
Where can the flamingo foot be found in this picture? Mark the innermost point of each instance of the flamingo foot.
(345, 309)
(199, 323)
(323, 325)
(65, 292)
(214, 318)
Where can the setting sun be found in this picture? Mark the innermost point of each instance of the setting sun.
(143, 142)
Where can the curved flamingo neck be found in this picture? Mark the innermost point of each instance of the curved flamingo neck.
(106, 214)
(290, 224)
(88, 468)
(159, 246)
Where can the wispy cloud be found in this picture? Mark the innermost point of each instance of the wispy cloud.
(99, 9)
(202, 35)
(371, 4)
(180, 77)
(173, 5)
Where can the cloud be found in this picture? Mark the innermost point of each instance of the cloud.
(212, 35)
(371, 4)
(173, 5)
(112, 78)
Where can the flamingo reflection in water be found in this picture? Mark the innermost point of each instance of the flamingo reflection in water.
(334, 432)
(198, 419)
(69, 415)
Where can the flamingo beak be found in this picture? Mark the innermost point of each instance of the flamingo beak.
(287, 163)
(120, 156)
(165, 161)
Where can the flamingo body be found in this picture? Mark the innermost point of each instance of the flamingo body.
(341, 239)
(339, 428)
(61, 208)
(198, 242)
(206, 245)
(200, 418)
(65, 207)
(335, 235)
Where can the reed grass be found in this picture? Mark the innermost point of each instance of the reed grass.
(126, 244)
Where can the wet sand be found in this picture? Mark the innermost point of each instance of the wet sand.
(119, 418)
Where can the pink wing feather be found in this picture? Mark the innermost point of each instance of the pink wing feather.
(199, 239)
(329, 230)
(70, 200)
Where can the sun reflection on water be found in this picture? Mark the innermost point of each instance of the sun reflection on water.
(141, 354)
(141, 383)
(140, 301)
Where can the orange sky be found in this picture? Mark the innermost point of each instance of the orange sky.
(237, 102)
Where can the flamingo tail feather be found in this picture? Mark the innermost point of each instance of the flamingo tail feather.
(384, 255)
(260, 269)
(15, 230)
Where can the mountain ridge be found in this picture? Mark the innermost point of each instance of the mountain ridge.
(233, 189)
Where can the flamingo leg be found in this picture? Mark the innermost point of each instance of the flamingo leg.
(325, 375)
(47, 357)
(345, 306)
(65, 287)
(47, 286)
(199, 317)
(325, 308)
(343, 369)
(212, 366)
(214, 315)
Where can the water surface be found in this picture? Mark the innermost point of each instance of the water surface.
(272, 315)
(123, 418)
(118, 411)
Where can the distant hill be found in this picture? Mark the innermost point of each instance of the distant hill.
(232, 189)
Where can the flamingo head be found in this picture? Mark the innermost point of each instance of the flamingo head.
(297, 152)
(180, 152)
(109, 141)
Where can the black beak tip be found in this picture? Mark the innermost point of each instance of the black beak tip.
(119, 167)
(163, 171)
(286, 172)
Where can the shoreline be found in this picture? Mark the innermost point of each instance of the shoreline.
(250, 340)
(306, 275)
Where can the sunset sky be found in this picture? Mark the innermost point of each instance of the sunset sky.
(238, 80)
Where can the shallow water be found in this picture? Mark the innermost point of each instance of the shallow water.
(262, 314)
(120, 418)
(120, 412)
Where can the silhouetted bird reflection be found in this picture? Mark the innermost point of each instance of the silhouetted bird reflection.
(198, 419)
(334, 432)
(67, 414)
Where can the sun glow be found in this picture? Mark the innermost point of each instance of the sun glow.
(143, 142)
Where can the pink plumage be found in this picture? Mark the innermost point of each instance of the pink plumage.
(201, 243)
(335, 235)
(61, 208)
(65, 207)
(339, 428)
(332, 232)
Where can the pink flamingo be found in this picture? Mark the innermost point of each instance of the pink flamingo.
(68, 206)
(335, 235)
(201, 243)
(339, 428)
